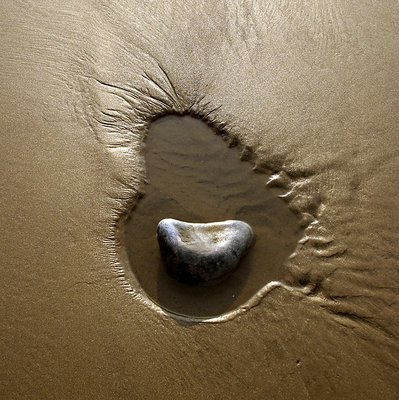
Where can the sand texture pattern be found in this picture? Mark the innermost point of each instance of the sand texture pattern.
(309, 92)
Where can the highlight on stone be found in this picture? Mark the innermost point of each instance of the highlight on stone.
(196, 253)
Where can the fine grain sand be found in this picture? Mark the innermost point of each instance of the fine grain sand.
(309, 92)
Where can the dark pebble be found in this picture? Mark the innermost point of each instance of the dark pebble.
(197, 253)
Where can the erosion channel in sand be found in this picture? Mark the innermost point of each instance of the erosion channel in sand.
(194, 176)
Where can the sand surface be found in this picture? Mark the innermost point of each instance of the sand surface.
(309, 91)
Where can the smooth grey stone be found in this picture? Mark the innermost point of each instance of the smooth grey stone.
(195, 253)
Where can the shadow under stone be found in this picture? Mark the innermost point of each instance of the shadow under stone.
(195, 177)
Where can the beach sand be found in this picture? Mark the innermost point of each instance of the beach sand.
(309, 93)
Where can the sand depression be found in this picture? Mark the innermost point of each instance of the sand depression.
(193, 175)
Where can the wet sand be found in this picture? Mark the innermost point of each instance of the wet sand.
(310, 92)
(194, 176)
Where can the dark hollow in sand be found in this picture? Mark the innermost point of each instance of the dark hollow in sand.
(194, 176)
